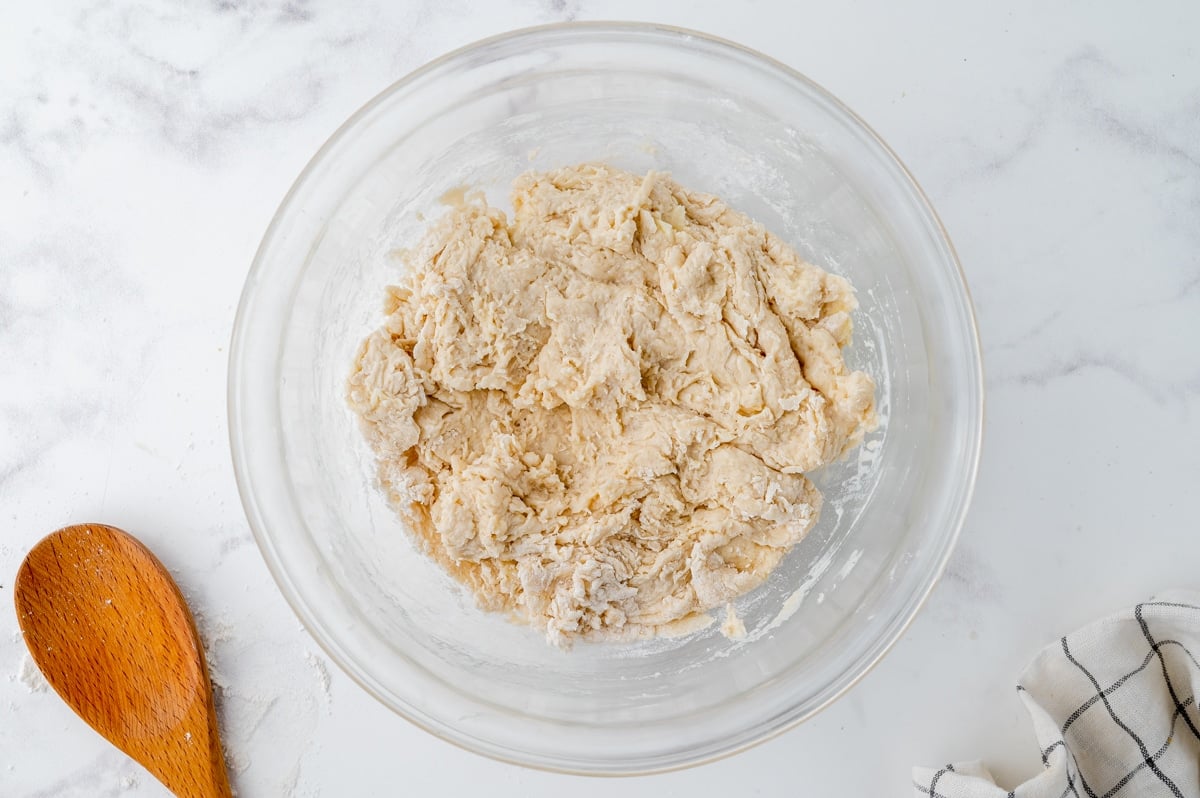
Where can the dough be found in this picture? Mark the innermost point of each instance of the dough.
(598, 416)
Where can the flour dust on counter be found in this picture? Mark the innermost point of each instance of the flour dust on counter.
(265, 703)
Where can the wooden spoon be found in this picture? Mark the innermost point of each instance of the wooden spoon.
(111, 632)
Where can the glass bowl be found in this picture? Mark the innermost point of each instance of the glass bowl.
(721, 119)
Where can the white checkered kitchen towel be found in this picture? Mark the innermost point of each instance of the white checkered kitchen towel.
(1114, 710)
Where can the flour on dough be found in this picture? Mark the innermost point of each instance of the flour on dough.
(598, 415)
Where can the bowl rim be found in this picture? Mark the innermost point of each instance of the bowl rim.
(241, 472)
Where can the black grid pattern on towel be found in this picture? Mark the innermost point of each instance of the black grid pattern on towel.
(1077, 784)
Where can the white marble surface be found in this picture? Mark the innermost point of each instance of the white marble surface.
(145, 144)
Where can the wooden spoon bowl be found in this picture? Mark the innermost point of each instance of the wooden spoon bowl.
(109, 629)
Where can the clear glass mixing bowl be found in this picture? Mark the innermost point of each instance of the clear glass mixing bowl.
(721, 119)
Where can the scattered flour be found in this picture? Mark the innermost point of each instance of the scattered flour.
(269, 696)
(30, 676)
(318, 665)
(845, 570)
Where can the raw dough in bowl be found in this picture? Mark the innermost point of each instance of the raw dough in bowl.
(598, 415)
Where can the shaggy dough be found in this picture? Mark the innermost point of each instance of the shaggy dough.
(598, 416)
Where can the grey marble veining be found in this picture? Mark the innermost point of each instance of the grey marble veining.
(144, 147)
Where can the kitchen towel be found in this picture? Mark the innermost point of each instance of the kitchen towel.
(1114, 710)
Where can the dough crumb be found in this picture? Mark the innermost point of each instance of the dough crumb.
(598, 415)
(733, 627)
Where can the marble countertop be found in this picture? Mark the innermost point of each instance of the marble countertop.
(145, 145)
